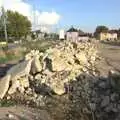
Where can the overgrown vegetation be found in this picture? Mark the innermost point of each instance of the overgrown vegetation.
(41, 45)
(15, 54)
(7, 55)
(7, 103)
(17, 25)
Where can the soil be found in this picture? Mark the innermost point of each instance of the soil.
(110, 58)
(23, 113)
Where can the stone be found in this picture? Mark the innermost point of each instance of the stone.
(8, 97)
(114, 97)
(4, 85)
(36, 65)
(21, 69)
(21, 89)
(10, 116)
(24, 82)
(58, 87)
(38, 77)
(102, 85)
(105, 101)
(13, 88)
(114, 77)
(59, 90)
(109, 108)
(82, 58)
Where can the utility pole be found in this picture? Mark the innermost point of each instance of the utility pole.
(4, 24)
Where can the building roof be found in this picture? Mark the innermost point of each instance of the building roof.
(81, 33)
(72, 29)
(113, 31)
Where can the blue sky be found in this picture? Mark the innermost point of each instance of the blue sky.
(85, 14)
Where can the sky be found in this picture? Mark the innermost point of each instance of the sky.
(83, 14)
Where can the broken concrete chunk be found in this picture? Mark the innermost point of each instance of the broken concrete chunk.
(36, 66)
(4, 85)
(21, 69)
(14, 87)
(24, 81)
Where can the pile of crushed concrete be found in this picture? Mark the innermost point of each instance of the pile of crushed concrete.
(66, 69)
(54, 68)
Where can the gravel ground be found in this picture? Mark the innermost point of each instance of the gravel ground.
(23, 113)
(111, 58)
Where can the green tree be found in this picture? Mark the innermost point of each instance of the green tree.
(100, 29)
(17, 24)
(118, 33)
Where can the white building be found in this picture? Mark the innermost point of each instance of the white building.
(72, 34)
(61, 34)
(76, 35)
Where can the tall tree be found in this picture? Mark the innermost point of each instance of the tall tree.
(100, 29)
(17, 24)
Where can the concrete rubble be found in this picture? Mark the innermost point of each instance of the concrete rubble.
(56, 66)
(67, 68)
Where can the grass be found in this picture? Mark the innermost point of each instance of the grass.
(8, 58)
(7, 103)
(41, 45)
(7, 55)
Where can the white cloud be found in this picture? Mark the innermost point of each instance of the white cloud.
(41, 18)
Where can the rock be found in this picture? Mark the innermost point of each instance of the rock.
(19, 84)
(36, 65)
(102, 85)
(58, 87)
(114, 77)
(109, 108)
(10, 116)
(82, 58)
(40, 101)
(24, 81)
(21, 89)
(32, 54)
(19, 70)
(8, 97)
(105, 101)
(4, 85)
(38, 77)
(114, 97)
(59, 90)
(31, 78)
(13, 88)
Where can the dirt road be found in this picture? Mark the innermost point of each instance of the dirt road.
(23, 113)
(111, 58)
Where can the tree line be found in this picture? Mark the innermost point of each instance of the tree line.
(105, 29)
(17, 25)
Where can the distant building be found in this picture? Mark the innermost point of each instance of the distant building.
(110, 35)
(61, 34)
(38, 34)
(82, 36)
(76, 35)
(72, 34)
